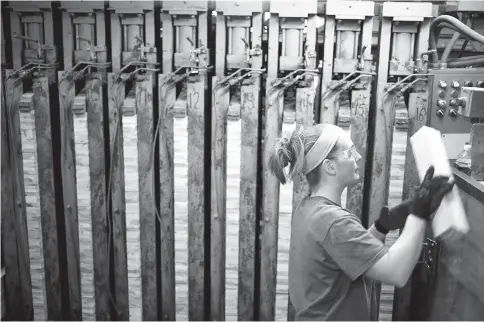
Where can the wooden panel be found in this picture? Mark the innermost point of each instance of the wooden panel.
(32, 203)
(417, 117)
(270, 197)
(98, 199)
(116, 189)
(83, 187)
(148, 219)
(47, 198)
(220, 103)
(167, 199)
(248, 199)
(458, 291)
(477, 151)
(196, 199)
(360, 106)
(383, 129)
(20, 199)
(69, 190)
(11, 210)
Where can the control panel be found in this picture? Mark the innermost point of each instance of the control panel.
(446, 100)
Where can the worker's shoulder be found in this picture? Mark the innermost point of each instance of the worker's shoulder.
(325, 213)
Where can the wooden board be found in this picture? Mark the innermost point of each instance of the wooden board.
(47, 198)
(196, 198)
(428, 149)
(167, 199)
(383, 129)
(100, 220)
(11, 211)
(270, 197)
(220, 103)
(417, 117)
(148, 214)
(248, 199)
(477, 151)
(69, 189)
(360, 107)
(116, 191)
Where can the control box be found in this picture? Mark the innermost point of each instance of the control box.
(445, 100)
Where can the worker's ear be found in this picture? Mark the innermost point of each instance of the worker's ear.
(329, 167)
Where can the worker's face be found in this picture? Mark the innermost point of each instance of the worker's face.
(346, 162)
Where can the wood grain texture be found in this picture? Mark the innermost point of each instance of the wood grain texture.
(417, 117)
(383, 129)
(148, 214)
(270, 208)
(47, 197)
(69, 190)
(220, 103)
(32, 203)
(270, 197)
(360, 107)
(167, 99)
(83, 187)
(477, 151)
(10, 211)
(196, 199)
(116, 191)
(100, 220)
(249, 158)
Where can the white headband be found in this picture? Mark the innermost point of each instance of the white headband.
(322, 147)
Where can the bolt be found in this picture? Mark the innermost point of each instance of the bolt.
(90, 14)
(267, 219)
(19, 204)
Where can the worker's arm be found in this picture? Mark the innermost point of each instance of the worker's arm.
(396, 266)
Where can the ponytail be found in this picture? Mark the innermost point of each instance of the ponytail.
(287, 151)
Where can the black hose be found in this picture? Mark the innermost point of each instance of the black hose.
(453, 60)
(479, 60)
(434, 33)
(453, 40)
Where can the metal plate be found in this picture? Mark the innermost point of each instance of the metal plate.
(350, 9)
(238, 8)
(406, 11)
(287, 8)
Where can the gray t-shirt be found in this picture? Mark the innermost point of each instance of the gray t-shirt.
(329, 253)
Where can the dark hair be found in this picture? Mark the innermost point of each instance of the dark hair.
(291, 151)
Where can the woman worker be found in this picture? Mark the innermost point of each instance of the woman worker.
(331, 253)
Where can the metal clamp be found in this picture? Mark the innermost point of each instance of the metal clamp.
(429, 254)
(41, 48)
(69, 74)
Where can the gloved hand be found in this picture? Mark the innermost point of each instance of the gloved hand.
(394, 218)
(426, 201)
(428, 197)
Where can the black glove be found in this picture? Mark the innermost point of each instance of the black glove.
(435, 188)
(394, 218)
(428, 197)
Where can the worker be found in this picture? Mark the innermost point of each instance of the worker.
(333, 259)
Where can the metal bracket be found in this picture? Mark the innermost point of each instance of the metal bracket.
(41, 48)
(430, 252)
